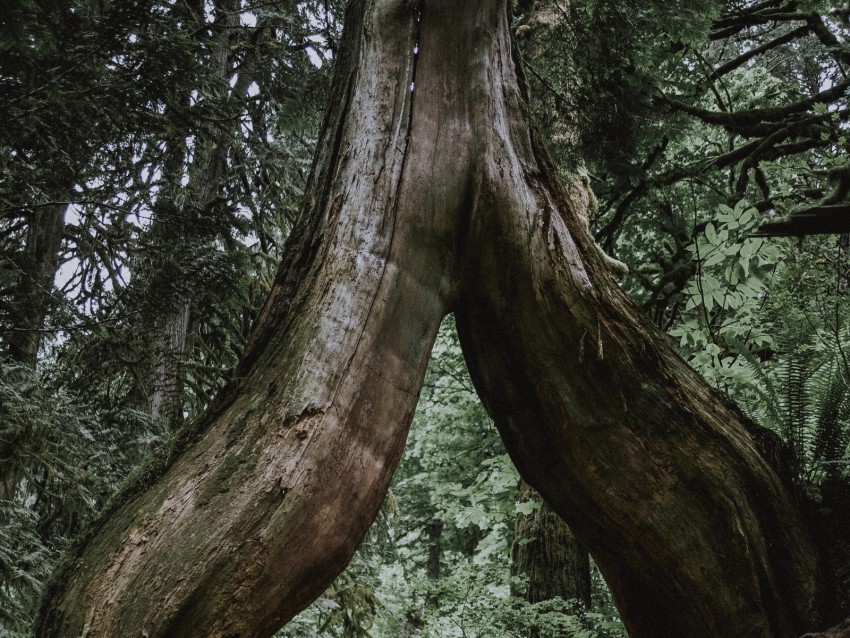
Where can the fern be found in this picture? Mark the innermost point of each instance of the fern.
(805, 397)
(832, 432)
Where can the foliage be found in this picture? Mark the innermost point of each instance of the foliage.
(755, 111)
(765, 322)
(454, 472)
(720, 316)
(61, 460)
(171, 142)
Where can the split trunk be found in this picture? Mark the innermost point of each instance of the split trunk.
(430, 193)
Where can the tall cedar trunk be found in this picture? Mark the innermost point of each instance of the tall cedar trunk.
(171, 338)
(29, 310)
(165, 320)
(171, 331)
(429, 193)
(548, 555)
(33, 293)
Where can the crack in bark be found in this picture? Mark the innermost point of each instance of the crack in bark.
(388, 382)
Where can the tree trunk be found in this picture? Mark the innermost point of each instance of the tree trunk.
(178, 225)
(435, 532)
(547, 553)
(429, 193)
(32, 300)
(33, 293)
(171, 339)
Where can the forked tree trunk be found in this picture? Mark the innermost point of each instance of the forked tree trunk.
(429, 194)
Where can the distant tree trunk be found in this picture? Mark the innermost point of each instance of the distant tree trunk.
(547, 554)
(435, 532)
(178, 223)
(431, 193)
(31, 303)
(171, 339)
(37, 272)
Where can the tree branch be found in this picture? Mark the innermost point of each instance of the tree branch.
(756, 122)
(749, 55)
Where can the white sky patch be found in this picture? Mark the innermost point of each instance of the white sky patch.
(65, 272)
(253, 89)
(72, 215)
(321, 49)
(315, 58)
(190, 148)
(94, 182)
(69, 268)
(248, 19)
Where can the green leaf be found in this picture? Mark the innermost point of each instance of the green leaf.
(527, 507)
(748, 249)
(713, 259)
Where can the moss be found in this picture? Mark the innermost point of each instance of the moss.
(220, 484)
(247, 458)
(234, 432)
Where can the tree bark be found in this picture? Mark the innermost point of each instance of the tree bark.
(430, 193)
(547, 553)
(171, 339)
(32, 301)
(270, 499)
(435, 532)
(38, 269)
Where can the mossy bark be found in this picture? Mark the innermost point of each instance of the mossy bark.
(430, 193)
